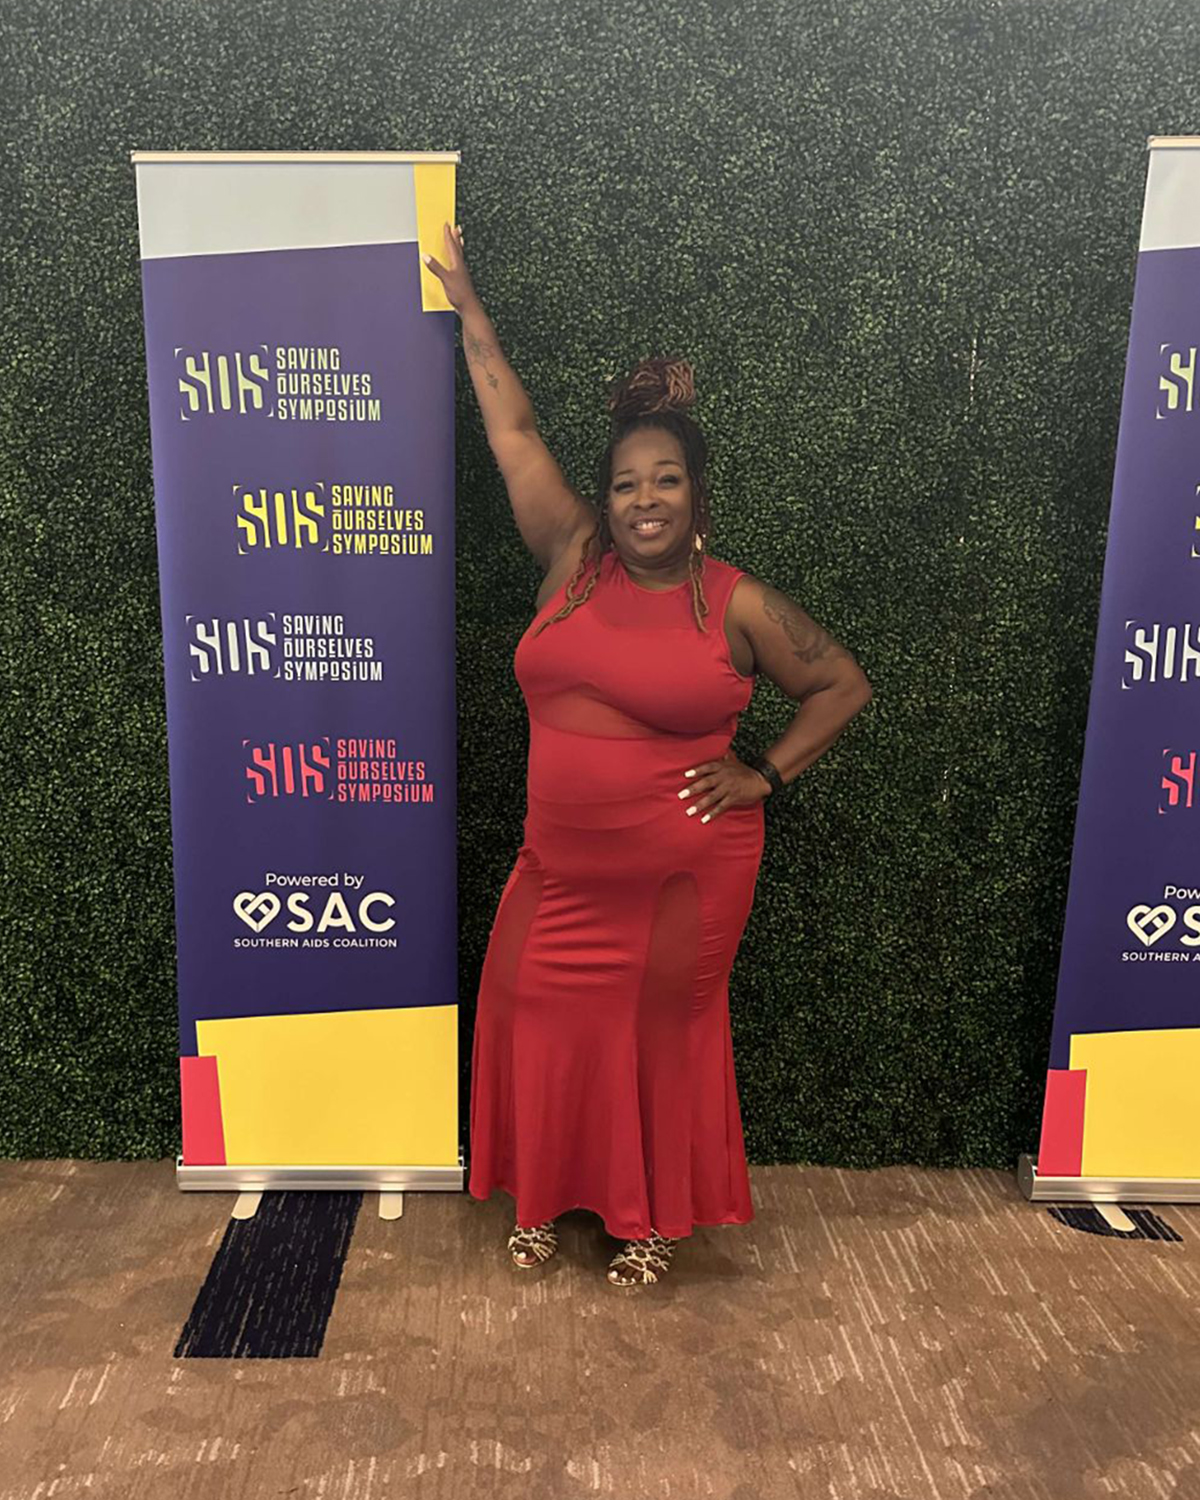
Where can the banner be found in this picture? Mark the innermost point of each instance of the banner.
(300, 363)
(1121, 1103)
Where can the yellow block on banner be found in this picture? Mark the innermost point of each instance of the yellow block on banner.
(1140, 1114)
(338, 1088)
(433, 185)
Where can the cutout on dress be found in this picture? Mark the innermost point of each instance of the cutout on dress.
(666, 1004)
(510, 930)
(580, 709)
(495, 1019)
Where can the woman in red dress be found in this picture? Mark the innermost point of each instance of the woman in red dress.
(602, 1066)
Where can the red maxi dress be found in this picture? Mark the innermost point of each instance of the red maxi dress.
(602, 1065)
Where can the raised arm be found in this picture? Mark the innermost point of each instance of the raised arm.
(549, 513)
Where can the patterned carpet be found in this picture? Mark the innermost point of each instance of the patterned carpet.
(903, 1334)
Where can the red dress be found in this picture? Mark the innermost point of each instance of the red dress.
(602, 1066)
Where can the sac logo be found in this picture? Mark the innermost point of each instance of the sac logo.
(258, 909)
(1149, 923)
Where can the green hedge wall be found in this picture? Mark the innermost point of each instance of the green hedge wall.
(897, 240)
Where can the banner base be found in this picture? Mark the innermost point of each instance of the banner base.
(314, 1179)
(1103, 1189)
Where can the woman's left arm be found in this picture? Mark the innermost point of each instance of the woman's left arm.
(805, 662)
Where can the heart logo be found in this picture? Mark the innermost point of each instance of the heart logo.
(1150, 922)
(248, 903)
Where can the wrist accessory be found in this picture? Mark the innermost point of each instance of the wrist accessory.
(764, 767)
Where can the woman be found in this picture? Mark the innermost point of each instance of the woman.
(602, 1068)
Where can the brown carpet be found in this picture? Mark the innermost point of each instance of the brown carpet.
(894, 1335)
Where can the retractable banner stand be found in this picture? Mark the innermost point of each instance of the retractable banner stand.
(1122, 1104)
(300, 361)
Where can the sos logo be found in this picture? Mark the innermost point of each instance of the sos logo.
(277, 770)
(211, 383)
(221, 646)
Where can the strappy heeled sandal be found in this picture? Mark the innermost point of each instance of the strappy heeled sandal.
(641, 1261)
(535, 1245)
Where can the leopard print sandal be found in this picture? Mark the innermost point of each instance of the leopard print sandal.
(530, 1247)
(641, 1261)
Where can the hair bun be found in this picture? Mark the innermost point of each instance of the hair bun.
(658, 384)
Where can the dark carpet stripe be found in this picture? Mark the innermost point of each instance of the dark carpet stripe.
(272, 1284)
(1152, 1226)
(1090, 1221)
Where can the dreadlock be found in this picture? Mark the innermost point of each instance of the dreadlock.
(656, 394)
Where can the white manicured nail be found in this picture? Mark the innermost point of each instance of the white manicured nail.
(691, 810)
(687, 792)
(706, 817)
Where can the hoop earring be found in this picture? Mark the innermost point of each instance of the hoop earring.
(698, 541)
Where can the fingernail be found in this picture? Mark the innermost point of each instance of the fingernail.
(687, 792)
(691, 810)
(706, 817)
(689, 773)
(425, 257)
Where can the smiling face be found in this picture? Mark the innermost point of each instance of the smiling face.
(650, 484)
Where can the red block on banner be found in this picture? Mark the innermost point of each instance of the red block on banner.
(200, 1094)
(1061, 1151)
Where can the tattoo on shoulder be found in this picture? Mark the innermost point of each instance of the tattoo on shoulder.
(809, 641)
(480, 350)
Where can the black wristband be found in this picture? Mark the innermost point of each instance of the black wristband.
(764, 767)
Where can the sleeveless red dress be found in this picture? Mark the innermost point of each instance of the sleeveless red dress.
(602, 1065)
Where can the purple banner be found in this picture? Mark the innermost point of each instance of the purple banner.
(1121, 1094)
(301, 412)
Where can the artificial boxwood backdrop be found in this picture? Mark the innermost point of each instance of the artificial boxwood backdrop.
(897, 240)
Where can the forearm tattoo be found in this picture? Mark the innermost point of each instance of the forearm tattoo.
(480, 350)
(809, 641)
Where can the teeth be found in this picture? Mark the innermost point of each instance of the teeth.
(650, 525)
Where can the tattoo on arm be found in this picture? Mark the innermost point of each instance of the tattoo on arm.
(480, 351)
(809, 641)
